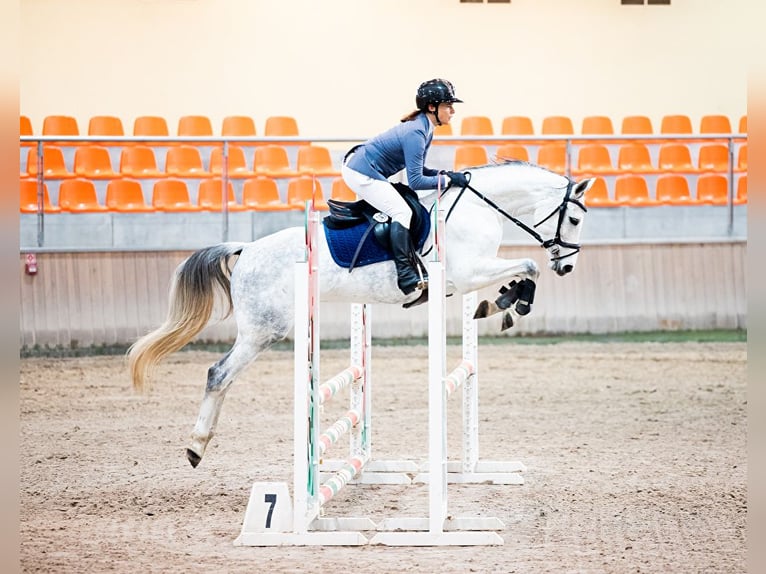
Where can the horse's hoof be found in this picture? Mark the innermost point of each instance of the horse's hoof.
(482, 310)
(523, 308)
(193, 457)
(507, 322)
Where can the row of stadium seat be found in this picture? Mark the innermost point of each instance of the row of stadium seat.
(200, 125)
(172, 195)
(669, 189)
(261, 194)
(150, 126)
(597, 158)
(95, 162)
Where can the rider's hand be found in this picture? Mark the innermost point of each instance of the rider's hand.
(457, 179)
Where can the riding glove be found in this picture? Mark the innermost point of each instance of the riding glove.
(457, 179)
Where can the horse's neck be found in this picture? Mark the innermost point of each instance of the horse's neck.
(518, 189)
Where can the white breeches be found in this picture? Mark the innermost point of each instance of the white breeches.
(380, 194)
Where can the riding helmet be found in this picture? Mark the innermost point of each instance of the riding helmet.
(436, 91)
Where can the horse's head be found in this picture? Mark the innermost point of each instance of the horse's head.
(547, 205)
(560, 227)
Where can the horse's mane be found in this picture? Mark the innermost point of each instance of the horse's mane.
(505, 162)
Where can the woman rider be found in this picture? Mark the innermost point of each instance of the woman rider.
(367, 167)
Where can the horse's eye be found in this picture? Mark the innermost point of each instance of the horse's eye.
(574, 221)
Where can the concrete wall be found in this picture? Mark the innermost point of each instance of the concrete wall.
(111, 298)
(342, 67)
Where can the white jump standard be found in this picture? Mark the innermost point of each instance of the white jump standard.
(439, 528)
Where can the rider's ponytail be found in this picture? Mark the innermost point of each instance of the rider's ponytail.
(411, 116)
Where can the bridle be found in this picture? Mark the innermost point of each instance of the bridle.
(544, 243)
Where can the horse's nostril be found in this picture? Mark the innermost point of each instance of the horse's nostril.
(568, 268)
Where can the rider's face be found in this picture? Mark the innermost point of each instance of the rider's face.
(444, 113)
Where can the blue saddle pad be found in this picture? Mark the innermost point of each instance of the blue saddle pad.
(343, 243)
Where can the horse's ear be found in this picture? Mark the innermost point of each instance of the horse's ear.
(582, 186)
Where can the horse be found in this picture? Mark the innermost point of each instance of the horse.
(258, 286)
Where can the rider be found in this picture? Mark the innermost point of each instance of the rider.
(367, 167)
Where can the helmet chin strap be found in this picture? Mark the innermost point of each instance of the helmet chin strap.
(436, 115)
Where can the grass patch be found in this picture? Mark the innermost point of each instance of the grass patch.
(713, 336)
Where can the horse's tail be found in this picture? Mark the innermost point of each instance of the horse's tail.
(192, 298)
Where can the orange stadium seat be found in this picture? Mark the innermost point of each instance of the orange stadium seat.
(172, 194)
(93, 162)
(341, 191)
(139, 161)
(741, 190)
(635, 158)
(237, 164)
(597, 125)
(676, 157)
(54, 166)
(304, 188)
(713, 157)
(105, 126)
(517, 126)
(557, 125)
(672, 189)
(315, 160)
(190, 126)
(598, 195)
(712, 188)
(262, 194)
(469, 155)
(239, 126)
(715, 124)
(25, 129)
(676, 124)
(210, 196)
(127, 196)
(281, 126)
(25, 126)
(150, 126)
(637, 125)
(476, 126)
(553, 156)
(595, 159)
(272, 161)
(60, 126)
(743, 124)
(79, 195)
(632, 190)
(742, 158)
(512, 151)
(185, 161)
(28, 197)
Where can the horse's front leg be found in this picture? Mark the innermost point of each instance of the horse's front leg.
(516, 299)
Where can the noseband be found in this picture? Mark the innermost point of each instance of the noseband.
(545, 243)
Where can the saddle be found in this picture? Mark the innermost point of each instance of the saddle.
(353, 223)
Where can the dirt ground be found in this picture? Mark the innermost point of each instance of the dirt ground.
(635, 455)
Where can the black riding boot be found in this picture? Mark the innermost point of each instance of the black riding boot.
(405, 258)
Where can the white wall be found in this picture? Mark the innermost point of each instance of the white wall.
(348, 67)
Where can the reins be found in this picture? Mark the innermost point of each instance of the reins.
(545, 243)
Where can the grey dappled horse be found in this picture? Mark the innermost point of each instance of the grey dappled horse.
(259, 284)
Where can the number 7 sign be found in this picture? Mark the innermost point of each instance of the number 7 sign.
(270, 508)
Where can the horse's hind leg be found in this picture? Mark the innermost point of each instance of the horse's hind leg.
(219, 378)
